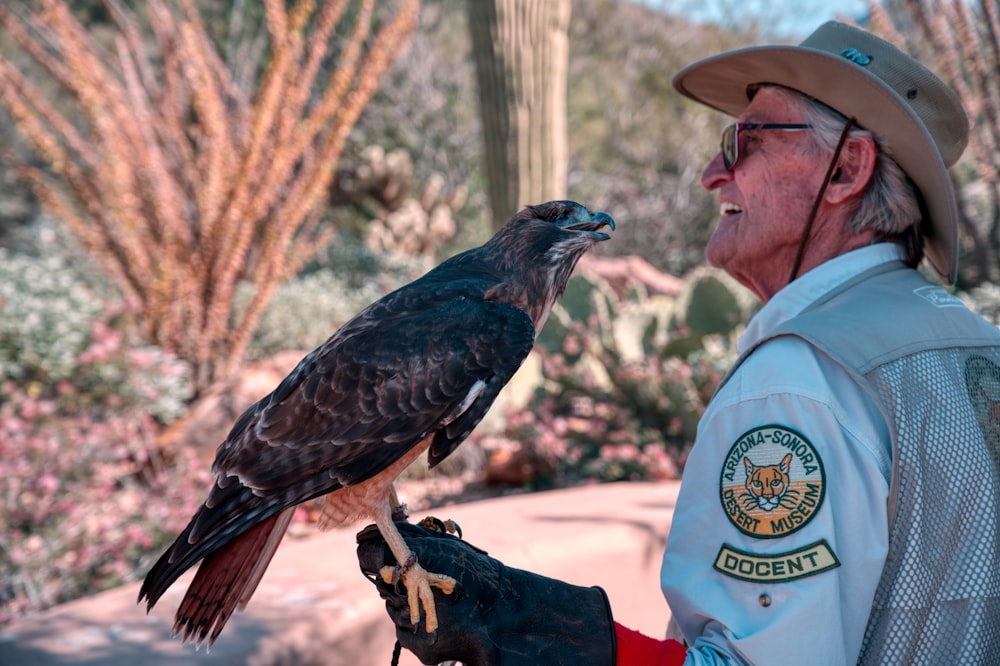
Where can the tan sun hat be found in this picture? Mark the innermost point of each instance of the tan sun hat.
(917, 118)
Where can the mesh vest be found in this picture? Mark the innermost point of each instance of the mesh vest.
(933, 369)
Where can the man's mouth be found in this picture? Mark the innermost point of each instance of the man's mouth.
(726, 208)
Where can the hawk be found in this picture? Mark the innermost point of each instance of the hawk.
(415, 371)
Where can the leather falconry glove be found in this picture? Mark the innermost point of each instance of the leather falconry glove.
(497, 615)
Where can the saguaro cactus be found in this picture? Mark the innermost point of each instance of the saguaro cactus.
(521, 52)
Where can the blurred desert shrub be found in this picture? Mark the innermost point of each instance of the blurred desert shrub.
(984, 300)
(337, 285)
(84, 498)
(46, 318)
(58, 342)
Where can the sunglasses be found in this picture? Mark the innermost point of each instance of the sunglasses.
(731, 138)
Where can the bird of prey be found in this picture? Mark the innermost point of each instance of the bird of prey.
(415, 371)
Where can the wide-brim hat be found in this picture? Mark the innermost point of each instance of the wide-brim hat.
(916, 118)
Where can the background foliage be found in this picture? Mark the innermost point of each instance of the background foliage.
(85, 497)
(186, 166)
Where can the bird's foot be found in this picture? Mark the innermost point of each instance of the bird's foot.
(443, 526)
(418, 583)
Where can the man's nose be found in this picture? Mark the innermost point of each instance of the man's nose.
(715, 174)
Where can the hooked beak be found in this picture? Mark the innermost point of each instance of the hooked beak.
(594, 225)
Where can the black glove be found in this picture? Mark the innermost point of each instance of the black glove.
(496, 615)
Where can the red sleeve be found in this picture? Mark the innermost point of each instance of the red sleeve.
(635, 649)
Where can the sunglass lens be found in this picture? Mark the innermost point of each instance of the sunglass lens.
(730, 148)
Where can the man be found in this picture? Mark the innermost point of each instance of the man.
(840, 504)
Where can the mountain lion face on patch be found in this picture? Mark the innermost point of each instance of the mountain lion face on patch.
(767, 485)
(766, 501)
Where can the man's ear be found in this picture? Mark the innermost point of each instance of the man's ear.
(854, 170)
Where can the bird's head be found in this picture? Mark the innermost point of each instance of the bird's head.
(555, 232)
(538, 249)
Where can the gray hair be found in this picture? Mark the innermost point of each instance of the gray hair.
(891, 205)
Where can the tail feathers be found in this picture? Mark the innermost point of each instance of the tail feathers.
(227, 512)
(227, 579)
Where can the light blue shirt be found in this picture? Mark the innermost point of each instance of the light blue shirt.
(750, 581)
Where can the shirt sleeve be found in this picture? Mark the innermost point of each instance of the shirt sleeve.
(635, 649)
(780, 532)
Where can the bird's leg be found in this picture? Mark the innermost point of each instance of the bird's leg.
(417, 580)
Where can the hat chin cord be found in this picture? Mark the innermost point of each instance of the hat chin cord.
(819, 197)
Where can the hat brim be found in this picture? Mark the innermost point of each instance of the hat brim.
(721, 82)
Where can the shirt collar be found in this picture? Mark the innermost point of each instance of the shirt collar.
(798, 295)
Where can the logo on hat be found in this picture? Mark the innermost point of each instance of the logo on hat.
(856, 56)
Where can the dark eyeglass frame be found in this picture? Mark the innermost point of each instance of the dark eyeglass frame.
(730, 142)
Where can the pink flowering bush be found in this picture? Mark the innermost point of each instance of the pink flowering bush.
(85, 500)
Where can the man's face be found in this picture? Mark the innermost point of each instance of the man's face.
(765, 200)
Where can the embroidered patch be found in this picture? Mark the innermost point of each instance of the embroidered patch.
(772, 482)
(779, 567)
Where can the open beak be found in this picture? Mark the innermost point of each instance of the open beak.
(594, 225)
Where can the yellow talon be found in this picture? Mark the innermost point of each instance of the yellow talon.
(418, 583)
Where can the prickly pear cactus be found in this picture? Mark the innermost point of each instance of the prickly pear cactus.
(587, 302)
(641, 327)
(710, 303)
(627, 378)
